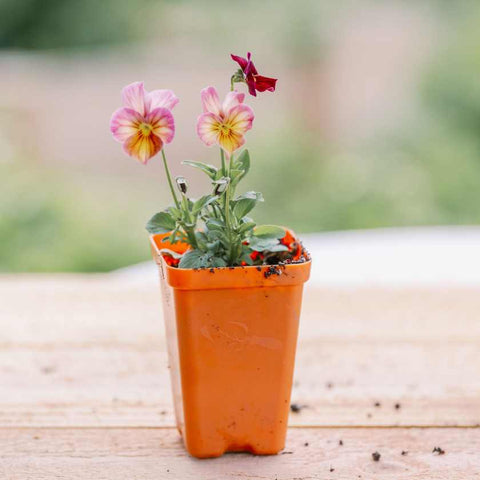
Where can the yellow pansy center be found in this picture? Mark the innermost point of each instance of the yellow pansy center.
(224, 128)
(146, 129)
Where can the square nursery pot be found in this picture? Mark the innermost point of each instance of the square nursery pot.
(231, 339)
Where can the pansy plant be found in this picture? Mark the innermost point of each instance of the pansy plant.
(217, 227)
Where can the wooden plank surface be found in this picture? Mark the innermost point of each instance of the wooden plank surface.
(338, 382)
(84, 386)
(117, 453)
(87, 350)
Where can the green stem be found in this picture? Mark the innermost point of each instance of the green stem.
(189, 231)
(231, 253)
(227, 212)
(188, 219)
(169, 178)
(192, 239)
(222, 156)
(232, 84)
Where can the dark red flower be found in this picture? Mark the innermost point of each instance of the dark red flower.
(256, 83)
(170, 260)
(293, 245)
(256, 255)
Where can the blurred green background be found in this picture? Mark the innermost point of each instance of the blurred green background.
(375, 121)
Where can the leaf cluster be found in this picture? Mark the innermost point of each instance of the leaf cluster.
(218, 226)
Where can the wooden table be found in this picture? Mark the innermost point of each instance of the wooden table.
(84, 386)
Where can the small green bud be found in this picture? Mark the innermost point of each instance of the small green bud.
(221, 185)
(181, 184)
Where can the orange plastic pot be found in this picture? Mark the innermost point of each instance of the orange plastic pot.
(231, 337)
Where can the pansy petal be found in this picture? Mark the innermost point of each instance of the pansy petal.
(232, 99)
(251, 86)
(250, 67)
(265, 83)
(162, 124)
(133, 96)
(124, 123)
(210, 101)
(240, 60)
(161, 98)
(230, 141)
(142, 147)
(207, 128)
(240, 119)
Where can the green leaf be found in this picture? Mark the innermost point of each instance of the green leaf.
(193, 259)
(251, 195)
(218, 233)
(243, 162)
(218, 175)
(210, 170)
(199, 259)
(246, 203)
(242, 207)
(213, 224)
(246, 227)
(201, 237)
(202, 202)
(175, 212)
(278, 248)
(269, 231)
(173, 236)
(218, 262)
(262, 244)
(213, 246)
(161, 222)
(236, 176)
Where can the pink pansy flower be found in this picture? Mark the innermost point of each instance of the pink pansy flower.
(144, 123)
(224, 123)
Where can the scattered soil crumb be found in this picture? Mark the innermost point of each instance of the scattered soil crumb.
(340, 442)
(286, 453)
(296, 408)
(306, 444)
(272, 270)
(438, 450)
(369, 415)
(332, 469)
(376, 456)
(397, 406)
(404, 452)
(377, 404)
(329, 385)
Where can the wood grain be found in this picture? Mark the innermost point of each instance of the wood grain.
(40, 310)
(339, 383)
(87, 350)
(158, 454)
(85, 392)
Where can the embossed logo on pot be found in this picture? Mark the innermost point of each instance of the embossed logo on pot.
(236, 335)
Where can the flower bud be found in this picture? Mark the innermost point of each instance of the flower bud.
(221, 185)
(181, 184)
